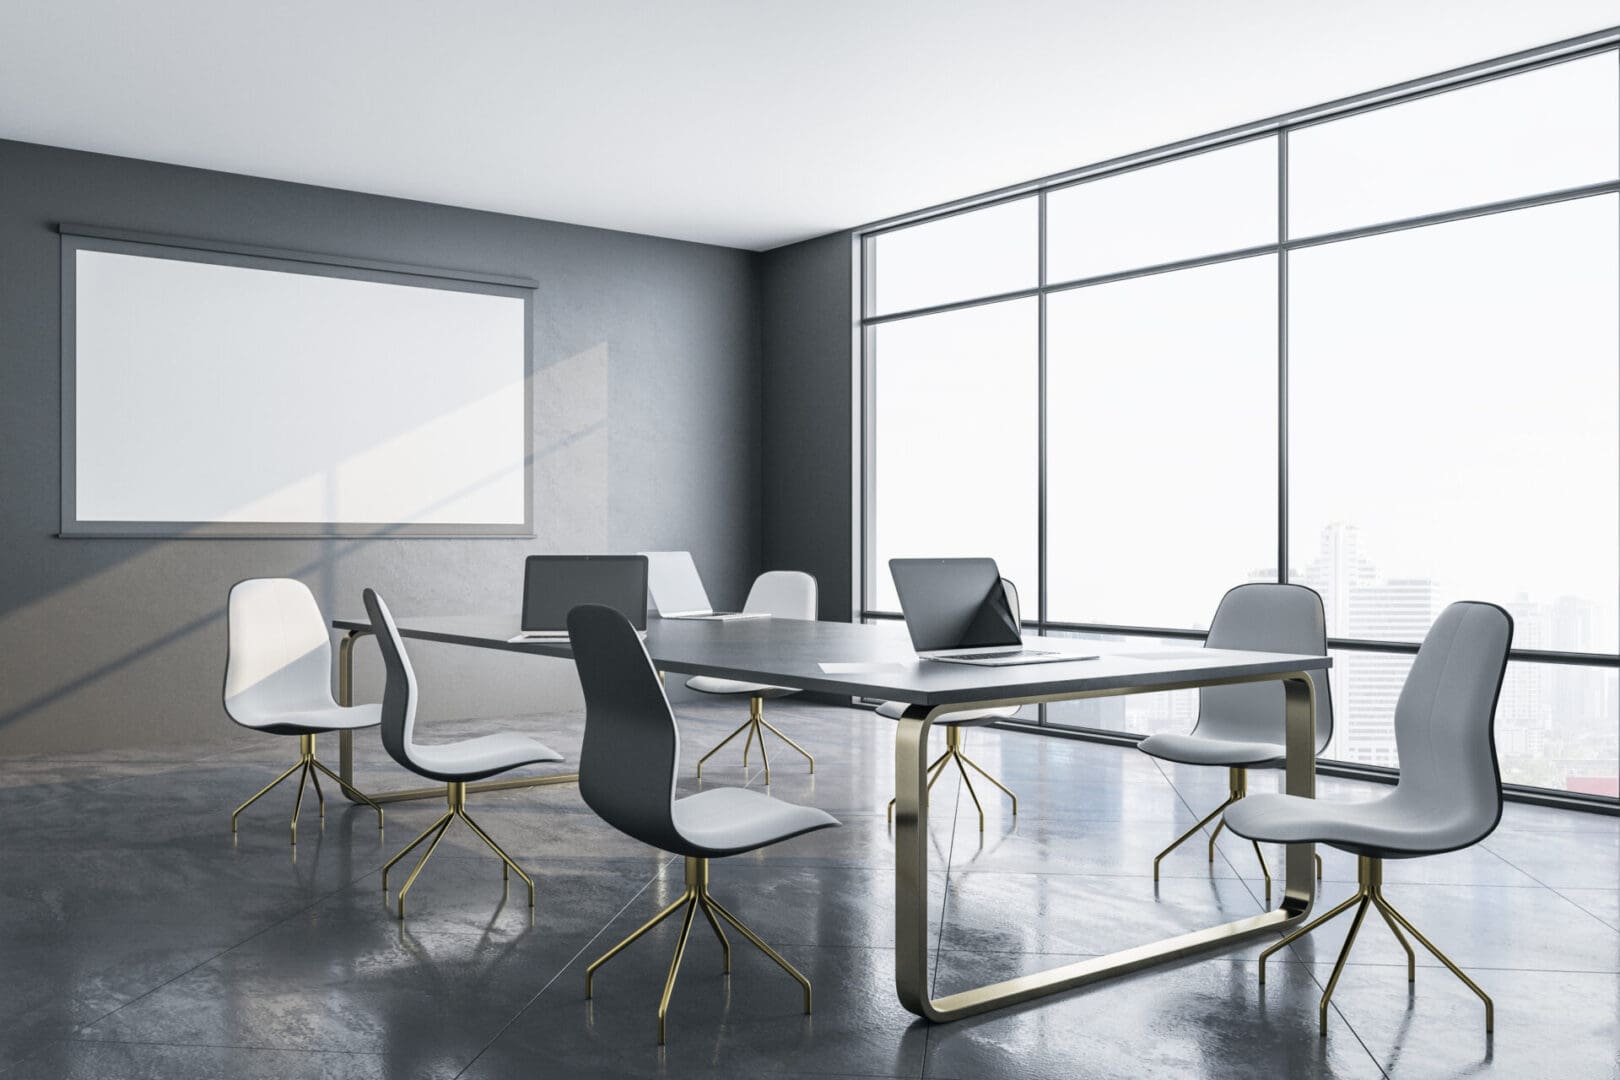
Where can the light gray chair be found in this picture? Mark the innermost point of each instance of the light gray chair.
(1449, 795)
(956, 725)
(278, 679)
(627, 770)
(781, 594)
(1242, 727)
(456, 764)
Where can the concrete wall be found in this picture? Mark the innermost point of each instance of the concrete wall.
(648, 407)
(808, 451)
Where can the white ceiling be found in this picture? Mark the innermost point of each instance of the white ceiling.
(749, 123)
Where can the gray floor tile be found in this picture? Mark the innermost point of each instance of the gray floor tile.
(1548, 1024)
(1204, 1019)
(750, 1024)
(143, 1061)
(141, 939)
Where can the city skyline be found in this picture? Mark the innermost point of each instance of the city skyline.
(1556, 725)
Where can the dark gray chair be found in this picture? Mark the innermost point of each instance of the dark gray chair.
(1242, 727)
(956, 725)
(1449, 795)
(456, 764)
(627, 770)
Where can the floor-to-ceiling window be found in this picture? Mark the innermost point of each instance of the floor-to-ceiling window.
(1373, 348)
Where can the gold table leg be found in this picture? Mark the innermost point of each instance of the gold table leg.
(911, 930)
(345, 778)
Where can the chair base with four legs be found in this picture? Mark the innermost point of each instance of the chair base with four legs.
(1238, 786)
(696, 898)
(456, 798)
(755, 725)
(309, 768)
(1370, 893)
(954, 737)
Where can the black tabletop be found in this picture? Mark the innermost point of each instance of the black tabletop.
(874, 661)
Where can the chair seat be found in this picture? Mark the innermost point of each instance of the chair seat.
(1201, 750)
(315, 720)
(1385, 827)
(729, 821)
(893, 710)
(708, 684)
(474, 759)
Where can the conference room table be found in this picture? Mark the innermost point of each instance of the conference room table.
(876, 661)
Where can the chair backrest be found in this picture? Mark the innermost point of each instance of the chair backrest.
(784, 594)
(1267, 618)
(399, 685)
(1445, 724)
(278, 654)
(632, 746)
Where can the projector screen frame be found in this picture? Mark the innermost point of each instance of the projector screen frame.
(74, 238)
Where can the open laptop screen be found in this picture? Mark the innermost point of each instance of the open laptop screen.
(553, 585)
(954, 604)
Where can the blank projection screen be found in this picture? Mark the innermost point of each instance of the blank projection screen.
(252, 393)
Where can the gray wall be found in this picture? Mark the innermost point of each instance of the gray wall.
(648, 400)
(808, 450)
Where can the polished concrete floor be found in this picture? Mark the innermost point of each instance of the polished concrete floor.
(138, 940)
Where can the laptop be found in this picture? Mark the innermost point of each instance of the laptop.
(957, 613)
(677, 591)
(553, 585)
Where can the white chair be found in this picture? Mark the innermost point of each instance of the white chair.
(955, 725)
(627, 770)
(1448, 797)
(1242, 727)
(278, 679)
(781, 594)
(456, 764)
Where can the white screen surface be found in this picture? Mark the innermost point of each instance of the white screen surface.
(209, 393)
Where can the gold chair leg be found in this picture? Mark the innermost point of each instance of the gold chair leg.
(1188, 835)
(798, 976)
(1490, 1007)
(456, 798)
(756, 725)
(262, 792)
(507, 863)
(967, 782)
(417, 869)
(675, 966)
(320, 796)
(306, 766)
(772, 729)
(764, 758)
(636, 935)
(1338, 967)
(1258, 854)
(725, 943)
(1370, 893)
(695, 896)
(1411, 958)
(439, 823)
(352, 791)
(1005, 790)
(954, 737)
(1303, 930)
(298, 803)
(745, 726)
